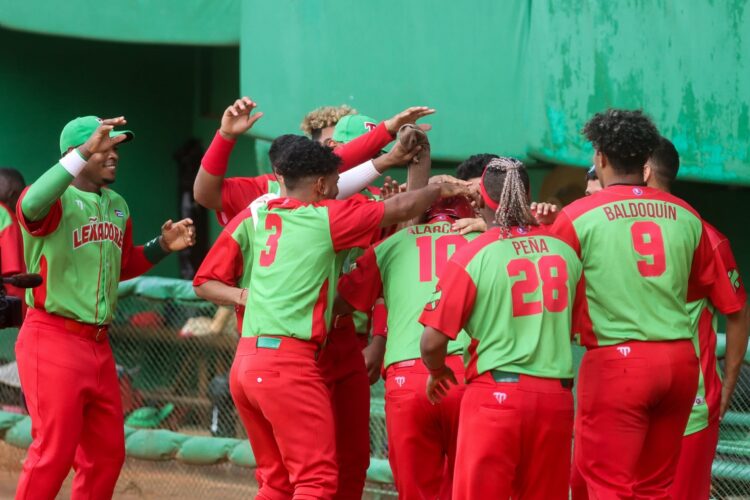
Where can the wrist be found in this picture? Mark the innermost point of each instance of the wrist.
(155, 250)
(436, 371)
(73, 162)
(390, 126)
(242, 299)
(228, 136)
(84, 152)
(216, 159)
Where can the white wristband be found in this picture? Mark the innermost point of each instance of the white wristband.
(356, 179)
(73, 162)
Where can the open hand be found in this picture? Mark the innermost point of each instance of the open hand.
(545, 213)
(409, 115)
(100, 140)
(439, 384)
(237, 118)
(176, 236)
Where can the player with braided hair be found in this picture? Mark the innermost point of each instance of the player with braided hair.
(512, 289)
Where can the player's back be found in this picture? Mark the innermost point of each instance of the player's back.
(637, 246)
(410, 263)
(524, 288)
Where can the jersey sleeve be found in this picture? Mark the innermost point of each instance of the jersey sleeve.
(703, 269)
(380, 320)
(452, 303)
(237, 193)
(224, 262)
(11, 246)
(728, 293)
(363, 148)
(134, 261)
(362, 286)
(44, 226)
(563, 228)
(354, 223)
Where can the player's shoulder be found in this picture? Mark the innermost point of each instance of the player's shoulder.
(716, 237)
(481, 242)
(244, 217)
(6, 216)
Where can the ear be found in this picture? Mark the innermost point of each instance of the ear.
(647, 173)
(320, 187)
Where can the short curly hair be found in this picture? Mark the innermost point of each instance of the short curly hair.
(305, 158)
(626, 137)
(325, 116)
(474, 166)
(279, 145)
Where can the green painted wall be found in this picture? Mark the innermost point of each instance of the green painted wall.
(518, 77)
(168, 95)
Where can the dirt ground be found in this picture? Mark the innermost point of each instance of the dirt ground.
(142, 479)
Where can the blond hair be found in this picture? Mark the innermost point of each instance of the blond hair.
(324, 116)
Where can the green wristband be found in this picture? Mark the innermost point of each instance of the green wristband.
(153, 251)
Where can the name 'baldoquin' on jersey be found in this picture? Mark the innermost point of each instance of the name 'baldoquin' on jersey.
(647, 271)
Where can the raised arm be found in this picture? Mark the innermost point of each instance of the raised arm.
(405, 206)
(43, 193)
(355, 180)
(236, 120)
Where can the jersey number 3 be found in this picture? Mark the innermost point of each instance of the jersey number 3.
(268, 255)
(554, 280)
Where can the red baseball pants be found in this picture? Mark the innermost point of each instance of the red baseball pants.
(634, 400)
(514, 439)
(286, 409)
(421, 436)
(578, 488)
(344, 372)
(73, 396)
(693, 478)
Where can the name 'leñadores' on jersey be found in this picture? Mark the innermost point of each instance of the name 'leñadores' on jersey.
(97, 231)
(640, 209)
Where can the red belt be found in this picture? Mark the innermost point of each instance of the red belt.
(97, 333)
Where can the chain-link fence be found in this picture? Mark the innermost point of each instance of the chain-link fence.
(174, 353)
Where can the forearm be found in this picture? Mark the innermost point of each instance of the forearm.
(364, 147)
(355, 180)
(433, 346)
(341, 307)
(43, 193)
(221, 294)
(737, 337)
(207, 190)
(405, 206)
(208, 182)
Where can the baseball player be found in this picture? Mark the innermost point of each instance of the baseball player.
(727, 296)
(12, 184)
(77, 234)
(404, 269)
(230, 196)
(275, 380)
(513, 290)
(645, 254)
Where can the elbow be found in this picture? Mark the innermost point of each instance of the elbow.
(199, 291)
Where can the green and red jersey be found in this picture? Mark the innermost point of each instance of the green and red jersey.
(645, 254)
(11, 243)
(515, 297)
(83, 247)
(403, 269)
(294, 265)
(727, 295)
(238, 192)
(225, 261)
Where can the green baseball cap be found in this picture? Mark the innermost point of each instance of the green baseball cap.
(149, 417)
(77, 131)
(350, 127)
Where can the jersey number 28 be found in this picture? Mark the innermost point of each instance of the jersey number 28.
(554, 281)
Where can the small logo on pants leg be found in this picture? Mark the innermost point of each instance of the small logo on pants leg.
(500, 397)
(624, 350)
(400, 381)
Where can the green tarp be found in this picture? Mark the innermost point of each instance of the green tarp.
(193, 22)
(517, 78)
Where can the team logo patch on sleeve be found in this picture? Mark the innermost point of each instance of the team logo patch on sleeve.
(734, 278)
(434, 300)
(119, 213)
